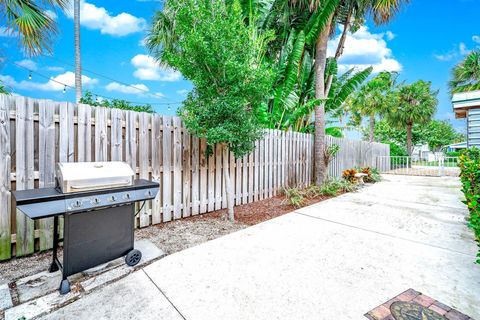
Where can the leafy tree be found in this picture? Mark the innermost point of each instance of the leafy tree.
(114, 103)
(437, 134)
(209, 43)
(30, 20)
(466, 74)
(374, 99)
(413, 103)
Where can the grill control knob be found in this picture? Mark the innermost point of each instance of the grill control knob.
(77, 204)
(113, 198)
(126, 196)
(96, 201)
(149, 193)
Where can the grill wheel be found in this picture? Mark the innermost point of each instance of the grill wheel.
(133, 257)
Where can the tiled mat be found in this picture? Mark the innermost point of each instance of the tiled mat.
(413, 305)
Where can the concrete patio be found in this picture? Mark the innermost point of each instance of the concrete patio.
(334, 260)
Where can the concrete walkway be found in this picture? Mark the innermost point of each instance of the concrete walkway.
(334, 260)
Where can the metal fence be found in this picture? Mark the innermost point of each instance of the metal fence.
(439, 167)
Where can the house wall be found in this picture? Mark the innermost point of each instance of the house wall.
(473, 128)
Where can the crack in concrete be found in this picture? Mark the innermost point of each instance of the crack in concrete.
(163, 293)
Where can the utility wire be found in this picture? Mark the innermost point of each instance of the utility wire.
(109, 78)
(96, 94)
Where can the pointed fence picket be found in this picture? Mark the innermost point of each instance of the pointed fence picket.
(35, 134)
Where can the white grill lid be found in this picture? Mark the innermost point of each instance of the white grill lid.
(82, 176)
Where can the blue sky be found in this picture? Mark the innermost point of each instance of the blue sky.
(423, 42)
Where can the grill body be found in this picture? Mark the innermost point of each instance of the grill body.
(93, 238)
(98, 223)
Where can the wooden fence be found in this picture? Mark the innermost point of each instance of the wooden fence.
(35, 134)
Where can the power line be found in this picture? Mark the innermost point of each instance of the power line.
(96, 94)
(108, 78)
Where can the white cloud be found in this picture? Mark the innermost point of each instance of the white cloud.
(390, 35)
(98, 18)
(476, 39)
(115, 86)
(67, 78)
(182, 92)
(148, 69)
(56, 69)
(51, 14)
(364, 49)
(459, 50)
(27, 63)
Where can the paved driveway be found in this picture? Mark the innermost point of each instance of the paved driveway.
(334, 260)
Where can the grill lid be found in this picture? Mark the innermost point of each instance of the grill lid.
(83, 176)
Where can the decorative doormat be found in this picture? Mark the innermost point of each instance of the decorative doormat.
(413, 305)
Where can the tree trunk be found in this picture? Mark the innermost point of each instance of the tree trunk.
(228, 185)
(78, 62)
(372, 128)
(340, 47)
(409, 139)
(320, 60)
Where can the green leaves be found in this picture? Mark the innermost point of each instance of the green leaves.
(31, 22)
(114, 103)
(212, 46)
(413, 103)
(469, 163)
(466, 75)
(320, 20)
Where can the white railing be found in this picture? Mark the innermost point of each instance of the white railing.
(439, 167)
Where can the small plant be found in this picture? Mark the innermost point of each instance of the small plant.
(372, 175)
(313, 191)
(294, 197)
(349, 175)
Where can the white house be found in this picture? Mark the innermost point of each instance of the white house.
(467, 105)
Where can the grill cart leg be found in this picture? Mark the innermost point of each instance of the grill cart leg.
(64, 286)
(54, 266)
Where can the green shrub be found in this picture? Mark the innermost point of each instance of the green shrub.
(372, 175)
(469, 162)
(453, 154)
(397, 150)
(339, 185)
(331, 187)
(294, 197)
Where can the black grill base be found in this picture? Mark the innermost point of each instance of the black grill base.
(92, 238)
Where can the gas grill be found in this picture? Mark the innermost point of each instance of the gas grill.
(97, 201)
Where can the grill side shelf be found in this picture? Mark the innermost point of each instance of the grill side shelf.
(48, 202)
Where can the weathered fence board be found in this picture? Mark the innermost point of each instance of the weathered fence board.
(35, 134)
(46, 165)
(5, 168)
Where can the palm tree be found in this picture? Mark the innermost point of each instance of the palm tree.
(466, 74)
(31, 22)
(78, 61)
(414, 104)
(382, 12)
(373, 99)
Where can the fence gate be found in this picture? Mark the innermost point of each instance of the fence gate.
(414, 166)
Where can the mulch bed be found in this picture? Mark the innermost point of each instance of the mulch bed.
(259, 211)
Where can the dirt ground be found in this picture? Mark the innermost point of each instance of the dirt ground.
(172, 236)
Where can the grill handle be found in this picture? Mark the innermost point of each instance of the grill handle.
(118, 184)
